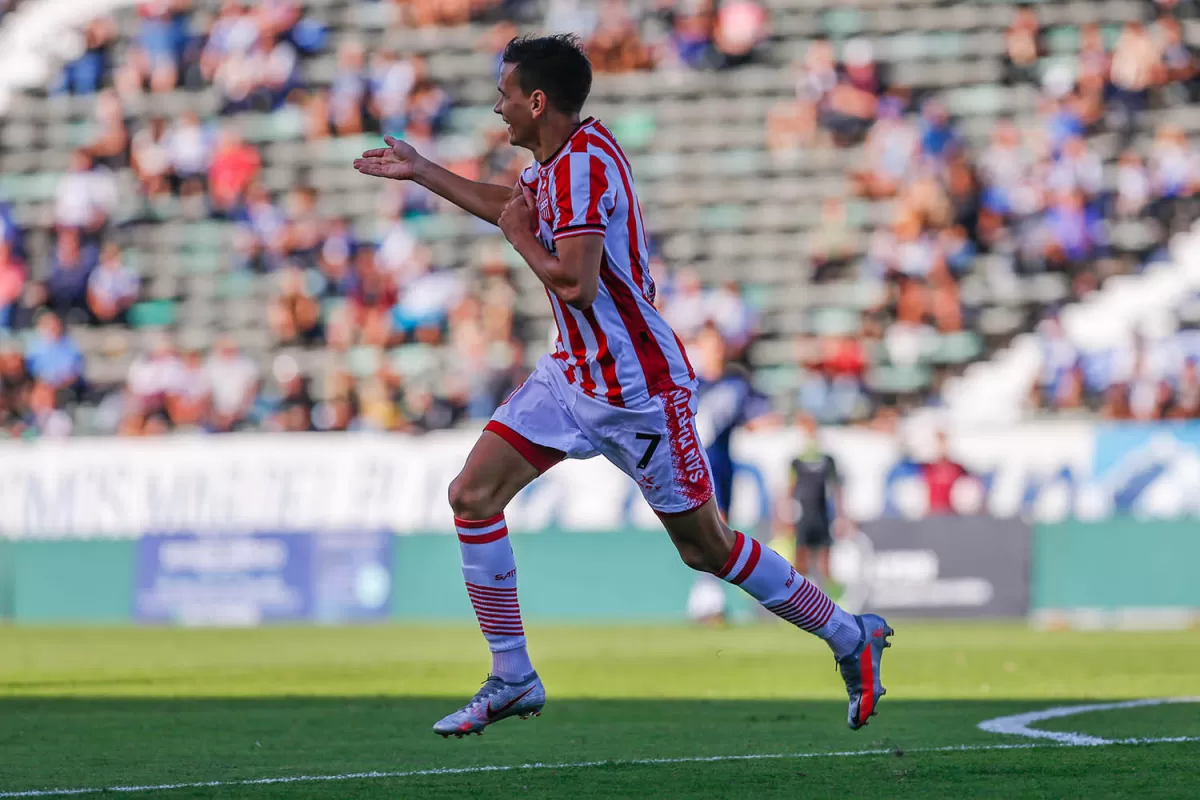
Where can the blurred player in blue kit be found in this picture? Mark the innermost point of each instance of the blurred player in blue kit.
(727, 401)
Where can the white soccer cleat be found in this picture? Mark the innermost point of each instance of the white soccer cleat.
(495, 700)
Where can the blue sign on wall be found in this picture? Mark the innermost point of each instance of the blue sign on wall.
(262, 577)
(1149, 468)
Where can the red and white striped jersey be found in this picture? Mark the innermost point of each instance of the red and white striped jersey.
(620, 349)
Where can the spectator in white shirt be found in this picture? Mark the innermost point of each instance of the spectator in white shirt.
(234, 382)
(397, 254)
(153, 376)
(392, 81)
(85, 196)
(733, 318)
(150, 158)
(46, 418)
(1133, 186)
(685, 309)
(188, 400)
(1079, 167)
(112, 287)
(278, 69)
(1174, 163)
(189, 147)
(348, 90)
(425, 302)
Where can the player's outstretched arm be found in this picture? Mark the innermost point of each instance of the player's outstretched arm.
(400, 161)
(574, 274)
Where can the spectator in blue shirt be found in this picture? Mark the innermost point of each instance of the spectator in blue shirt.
(86, 74)
(1062, 124)
(10, 232)
(938, 139)
(71, 268)
(1072, 230)
(51, 356)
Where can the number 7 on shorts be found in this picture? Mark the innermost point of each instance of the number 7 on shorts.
(653, 439)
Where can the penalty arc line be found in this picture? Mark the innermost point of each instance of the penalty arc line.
(639, 762)
(1018, 724)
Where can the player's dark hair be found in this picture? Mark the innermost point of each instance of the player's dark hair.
(556, 65)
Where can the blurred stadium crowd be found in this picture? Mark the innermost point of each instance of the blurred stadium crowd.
(929, 219)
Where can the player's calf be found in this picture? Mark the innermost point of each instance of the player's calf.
(702, 539)
(705, 543)
(493, 474)
(770, 579)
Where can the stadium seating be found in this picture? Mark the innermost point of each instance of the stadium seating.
(717, 199)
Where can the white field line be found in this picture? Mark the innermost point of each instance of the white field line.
(1018, 724)
(358, 776)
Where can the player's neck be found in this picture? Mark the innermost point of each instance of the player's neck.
(553, 135)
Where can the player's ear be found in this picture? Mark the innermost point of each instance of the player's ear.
(537, 103)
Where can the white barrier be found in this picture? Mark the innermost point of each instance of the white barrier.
(127, 487)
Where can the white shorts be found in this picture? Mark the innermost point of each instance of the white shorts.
(653, 441)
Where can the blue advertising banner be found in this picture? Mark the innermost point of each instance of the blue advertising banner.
(250, 579)
(352, 576)
(1149, 470)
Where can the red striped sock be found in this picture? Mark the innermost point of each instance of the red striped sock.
(490, 572)
(770, 579)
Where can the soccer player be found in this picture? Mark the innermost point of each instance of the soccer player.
(727, 401)
(618, 383)
(815, 492)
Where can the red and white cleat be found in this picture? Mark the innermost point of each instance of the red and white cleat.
(860, 670)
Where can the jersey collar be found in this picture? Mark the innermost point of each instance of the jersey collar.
(562, 148)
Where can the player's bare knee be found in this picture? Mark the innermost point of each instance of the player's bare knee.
(716, 554)
(705, 555)
(703, 539)
(471, 500)
(696, 557)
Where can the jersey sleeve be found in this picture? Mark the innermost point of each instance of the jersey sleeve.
(584, 197)
(529, 178)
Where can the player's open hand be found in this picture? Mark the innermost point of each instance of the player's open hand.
(518, 217)
(397, 161)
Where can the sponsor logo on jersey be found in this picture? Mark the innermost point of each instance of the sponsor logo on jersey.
(544, 210)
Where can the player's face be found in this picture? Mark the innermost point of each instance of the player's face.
(515, 108)
(808, 424)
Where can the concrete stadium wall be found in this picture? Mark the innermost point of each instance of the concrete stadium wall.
(575, 577)
(624, 576)
(67, 582)
(1116, 571)
(1096, 573)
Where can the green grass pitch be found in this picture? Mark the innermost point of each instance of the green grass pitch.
(95, 708)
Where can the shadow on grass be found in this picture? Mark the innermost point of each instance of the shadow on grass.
(95, 742)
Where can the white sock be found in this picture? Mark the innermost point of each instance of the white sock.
(490, 572)
(512, 665)
(770, 579)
